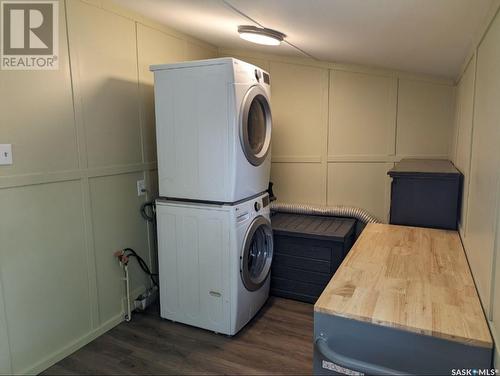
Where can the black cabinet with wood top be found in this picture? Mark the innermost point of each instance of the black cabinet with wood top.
(308, 250)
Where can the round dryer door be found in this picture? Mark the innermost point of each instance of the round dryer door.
(257, 254)
(255, 125)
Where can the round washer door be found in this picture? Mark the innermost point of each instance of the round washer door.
(255, 125)
(257, 254)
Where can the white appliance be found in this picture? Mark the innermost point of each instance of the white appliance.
(213, 130)
(214, 262)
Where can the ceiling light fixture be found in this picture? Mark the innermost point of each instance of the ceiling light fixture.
(260, 35)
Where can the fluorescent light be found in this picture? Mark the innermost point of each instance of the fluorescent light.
(260, 39)
(260, 35)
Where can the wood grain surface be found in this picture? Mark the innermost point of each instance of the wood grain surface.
(277, 341)
(411, 278)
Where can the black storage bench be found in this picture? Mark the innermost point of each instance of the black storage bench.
(308, 250)
(425, 193)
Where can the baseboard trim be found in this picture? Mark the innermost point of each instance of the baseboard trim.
(72, 347)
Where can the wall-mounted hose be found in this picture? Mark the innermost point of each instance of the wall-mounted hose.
(337, 211)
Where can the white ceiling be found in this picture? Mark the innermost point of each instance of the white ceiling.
(420, 36)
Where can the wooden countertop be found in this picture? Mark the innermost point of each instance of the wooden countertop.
(410, 278)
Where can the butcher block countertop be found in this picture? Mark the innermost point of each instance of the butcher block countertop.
(409, 278)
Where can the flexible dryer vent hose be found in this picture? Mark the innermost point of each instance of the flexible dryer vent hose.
(337, 211)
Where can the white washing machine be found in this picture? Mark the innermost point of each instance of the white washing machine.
(213, 130)
(214, 262)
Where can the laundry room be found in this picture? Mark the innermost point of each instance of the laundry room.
(250, 187)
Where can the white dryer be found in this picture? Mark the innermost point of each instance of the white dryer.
(214, 262)
(213, 130)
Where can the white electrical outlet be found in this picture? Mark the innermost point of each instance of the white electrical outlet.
(141, 187)
(5, 154)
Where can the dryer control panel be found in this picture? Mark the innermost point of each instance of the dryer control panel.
(261, 203)
(262, 76)
(265, 201)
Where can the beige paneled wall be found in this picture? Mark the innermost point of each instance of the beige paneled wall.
(45, 281)
(300, 131)
(362, 115)
(425, 118)
(5, 363)
(104, 64)
(338, 129)
(485, 161)
(476, 153)
(460, 152)
(82, 136)
(299, 134)
(39, 123)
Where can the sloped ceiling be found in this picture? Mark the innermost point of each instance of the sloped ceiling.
(420, 36)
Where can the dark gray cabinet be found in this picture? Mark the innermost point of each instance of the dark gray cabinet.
(307, 252)
(425, 193)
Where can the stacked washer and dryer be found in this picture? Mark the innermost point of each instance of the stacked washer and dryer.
(215, 245)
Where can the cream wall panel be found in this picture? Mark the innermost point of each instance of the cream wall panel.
(39, 123)
(495, 314)
(424, 119)
(103, 47)
(365, 185)
(465, 111)
(362, 114)
(300, 106)
(461, 153)
(261, 63)
(152, 184)
(485, 171)
(117, 224)
(196, 51)
(299, 182)
(5, 366)
(97, 3)
(43, 269)
(153, 47)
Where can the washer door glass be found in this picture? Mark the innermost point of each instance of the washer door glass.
(255, 127)
(257, 254)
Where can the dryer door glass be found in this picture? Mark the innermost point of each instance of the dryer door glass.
(257, 254)
(255, 126)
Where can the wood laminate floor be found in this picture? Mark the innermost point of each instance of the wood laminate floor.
(277, 341)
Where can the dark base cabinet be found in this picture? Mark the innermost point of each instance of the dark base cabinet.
(425, 193)
(353, 347)
(307, 252)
